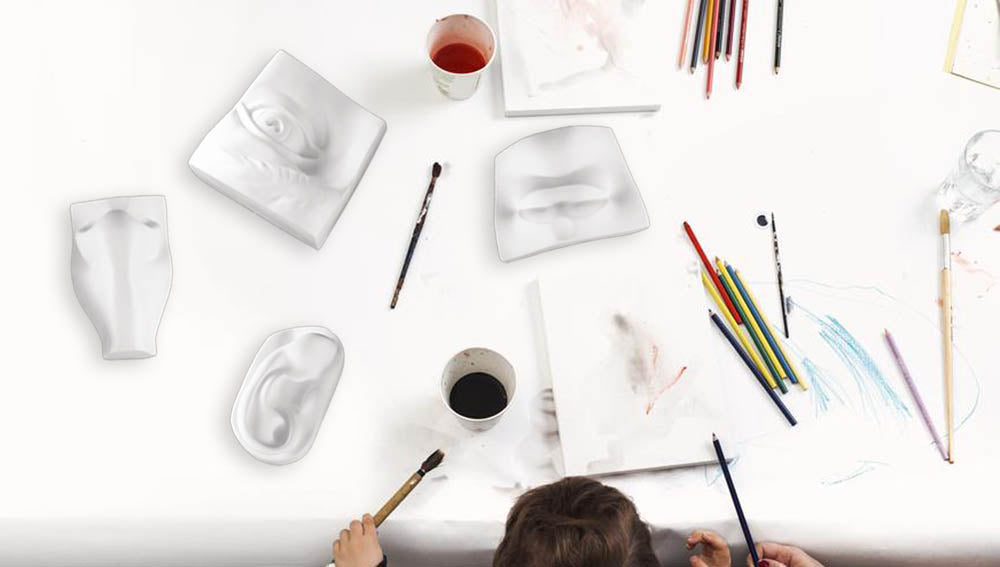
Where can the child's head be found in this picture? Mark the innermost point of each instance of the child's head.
(576, 522)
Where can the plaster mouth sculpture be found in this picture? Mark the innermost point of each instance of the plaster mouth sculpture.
(286, 392)
(121, 270)
(563, 187)
(292, 150)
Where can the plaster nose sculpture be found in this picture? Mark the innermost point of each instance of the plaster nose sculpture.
(121, 270)
(286, 392)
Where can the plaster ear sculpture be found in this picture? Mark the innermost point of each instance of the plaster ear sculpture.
(292, 150)
(121, 270)
(286, 392)
(563, 187)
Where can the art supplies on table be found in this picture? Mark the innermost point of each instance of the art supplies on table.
(562, 187)
(946, 331)
(633, 373)
(429, 464)
(754, 354)
(711, 47)
(973, 186)
(417, 229)
(736, 500)
(743, 45)
(753, 369)
(461, 48)
(292, 150)
(699, 26)
(711, 271)
(974, 42)
(684, 35)
(778, 32)
(560, 58)
(915, 393)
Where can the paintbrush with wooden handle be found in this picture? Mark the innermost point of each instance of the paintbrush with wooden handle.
(427, 466)
(946, 326)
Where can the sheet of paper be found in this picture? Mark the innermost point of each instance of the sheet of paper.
(975, 50)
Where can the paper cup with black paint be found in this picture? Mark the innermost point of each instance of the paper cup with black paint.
(461, 48)
(478, 386)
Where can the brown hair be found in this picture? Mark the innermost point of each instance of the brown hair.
(576, 522)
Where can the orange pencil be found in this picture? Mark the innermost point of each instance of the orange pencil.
(684, 36)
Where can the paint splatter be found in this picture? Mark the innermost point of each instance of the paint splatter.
(871, 383)
(671, 384)
(973, 268)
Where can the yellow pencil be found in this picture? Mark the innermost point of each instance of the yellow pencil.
(708, 33)
(777, 341)
(738, 331)
(753, 324)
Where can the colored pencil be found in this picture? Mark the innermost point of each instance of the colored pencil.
(758, 338)
(711, 271)
(708, 28)
(721, 36)
(711, 50)
(777, 36)
(946, 324)
(738, 331)
(729, 30)
(760, 378)
(698, 25)
(417, 229)
(684, 36)
(916, 395)
(781, 279)
(765, 330)
(743, 45)
(736, 501)
(787, 363)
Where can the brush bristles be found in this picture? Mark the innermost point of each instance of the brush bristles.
(436, 170)
(432, 462)
(944, 223)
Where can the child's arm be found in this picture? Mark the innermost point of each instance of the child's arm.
(358, 546)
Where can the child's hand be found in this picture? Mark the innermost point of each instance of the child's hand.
(358, 546)
(777, 555)
(714, 549)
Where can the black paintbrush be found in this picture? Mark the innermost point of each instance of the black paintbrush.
(781, 283)
(427, 466)
(435, 172)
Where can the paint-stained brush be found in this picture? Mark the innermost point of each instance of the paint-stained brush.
(417, 229)
(946, 325)
(427, 466)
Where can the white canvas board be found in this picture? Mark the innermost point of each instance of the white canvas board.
(977, 53)
(584, 56)
(635, 385)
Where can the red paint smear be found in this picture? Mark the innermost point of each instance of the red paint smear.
(972, 267)
(649, 406)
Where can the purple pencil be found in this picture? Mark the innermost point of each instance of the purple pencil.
(913, 391)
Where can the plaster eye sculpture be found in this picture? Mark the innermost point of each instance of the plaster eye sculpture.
(121, 270)
(292, 149)
(563, 187)
(286, 392)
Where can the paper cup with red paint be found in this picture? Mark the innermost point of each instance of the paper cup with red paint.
(461, 47)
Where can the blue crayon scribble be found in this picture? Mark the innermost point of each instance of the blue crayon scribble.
(824, 389)
(864, 467)
(871, 383)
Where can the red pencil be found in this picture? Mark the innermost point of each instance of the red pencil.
(711, 49)
(743, 45)
(729, 32)
(712, 273)
(684, 36)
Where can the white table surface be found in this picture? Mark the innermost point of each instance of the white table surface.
(134, 462)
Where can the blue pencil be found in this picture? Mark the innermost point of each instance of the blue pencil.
(746, 360)
(764, 327)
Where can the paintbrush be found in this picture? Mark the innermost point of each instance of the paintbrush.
(781, 279)
(946, 325)
(417, 229)
(427, 466)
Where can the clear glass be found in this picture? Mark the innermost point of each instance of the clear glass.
(974, 185)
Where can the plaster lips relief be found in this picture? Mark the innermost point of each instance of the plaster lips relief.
(292, 150)
(286, 392)
(563, 187)
(121, 270)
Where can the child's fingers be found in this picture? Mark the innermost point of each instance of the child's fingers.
(695, 538)
(345, 536)
(776, 551)
(336, 549)
(368, 524)
(356, 529)
(697, 561)
(713, 539)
